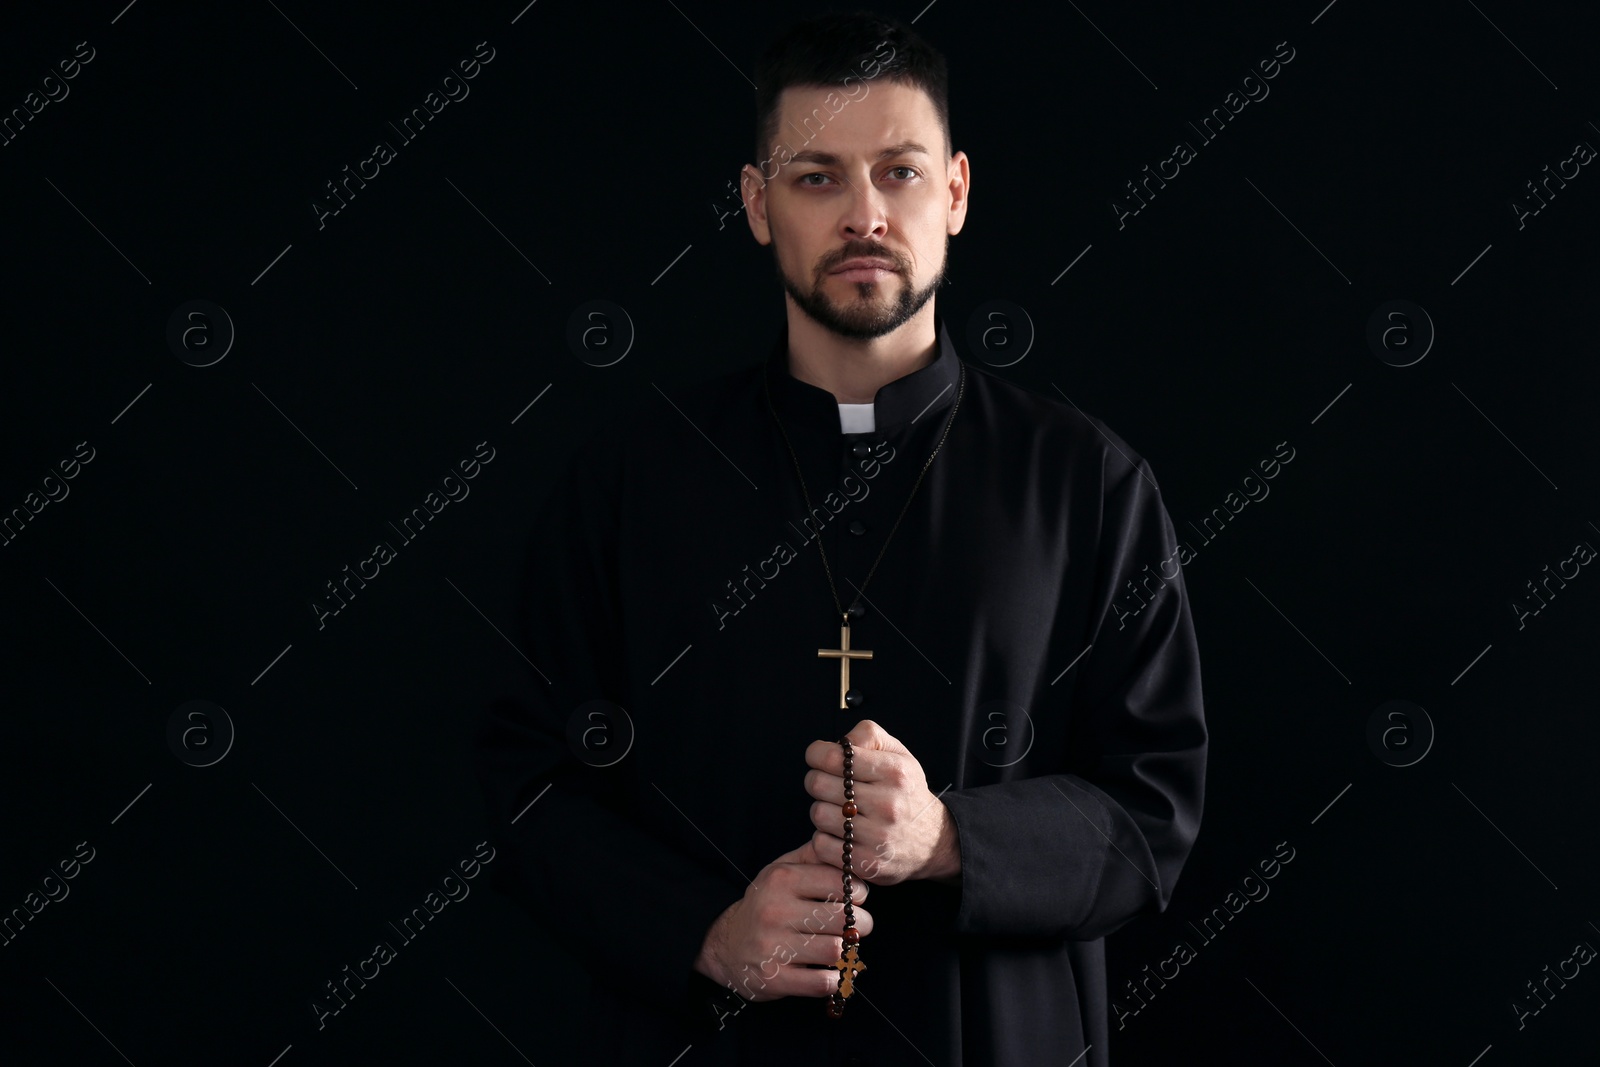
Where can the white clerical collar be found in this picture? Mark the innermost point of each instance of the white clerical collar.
(855, 418)
(896, 406)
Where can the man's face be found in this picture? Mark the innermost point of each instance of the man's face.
(841, 198)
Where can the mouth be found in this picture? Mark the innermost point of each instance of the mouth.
(863, 270)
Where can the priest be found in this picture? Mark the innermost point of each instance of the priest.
(864, 698)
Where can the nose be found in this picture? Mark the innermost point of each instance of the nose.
(864, 217)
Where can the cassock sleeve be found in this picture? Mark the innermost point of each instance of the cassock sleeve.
(612, 895)
(1079, 854)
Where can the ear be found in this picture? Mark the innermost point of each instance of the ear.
(753, 191)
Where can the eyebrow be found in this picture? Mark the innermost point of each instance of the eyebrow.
(828, 159)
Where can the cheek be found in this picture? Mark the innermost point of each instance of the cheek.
(801, 234)
(926, 238)
(928, 215)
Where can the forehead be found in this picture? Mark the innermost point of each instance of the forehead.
(876, 114)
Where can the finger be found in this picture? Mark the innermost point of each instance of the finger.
(816, 947)
(833, 922)
(791, 980)
(798, 980)
(866, 764)
(819, 938)
(830, 852)
(828, 844)
(865, 863)
(819, 753)
(872, 813)
(869, 735)
(822, 882)
(829, 788)
(826, 922)
(821, 785)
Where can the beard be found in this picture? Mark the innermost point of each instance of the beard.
(874, 308)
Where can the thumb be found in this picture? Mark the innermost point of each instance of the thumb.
(806, 853)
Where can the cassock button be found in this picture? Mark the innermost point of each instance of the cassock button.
(858, 527)
(855, 697)
(861, 449)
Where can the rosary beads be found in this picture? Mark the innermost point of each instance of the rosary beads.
(848, 964)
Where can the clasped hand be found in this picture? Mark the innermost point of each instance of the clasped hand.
(900, 831)
(766, 944)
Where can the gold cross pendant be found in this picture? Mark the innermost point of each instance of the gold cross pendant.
(844, 654)
(848, 966)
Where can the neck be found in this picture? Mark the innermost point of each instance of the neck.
(854, 370)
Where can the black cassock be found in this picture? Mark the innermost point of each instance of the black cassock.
(1033, 648)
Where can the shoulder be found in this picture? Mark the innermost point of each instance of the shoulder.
(1053, 426)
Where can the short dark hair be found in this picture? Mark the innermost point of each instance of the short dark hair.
(830, 48)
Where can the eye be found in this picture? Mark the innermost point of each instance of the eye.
(804, 179)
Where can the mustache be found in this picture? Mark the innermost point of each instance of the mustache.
(864, 252)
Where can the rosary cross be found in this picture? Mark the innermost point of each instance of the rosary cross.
(848, 966)
(844, 654)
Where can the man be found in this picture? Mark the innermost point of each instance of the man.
(1028, 738)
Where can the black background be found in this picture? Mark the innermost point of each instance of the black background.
(591, 160)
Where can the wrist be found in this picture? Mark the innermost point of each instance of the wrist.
(706, 962)
(945, 866)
